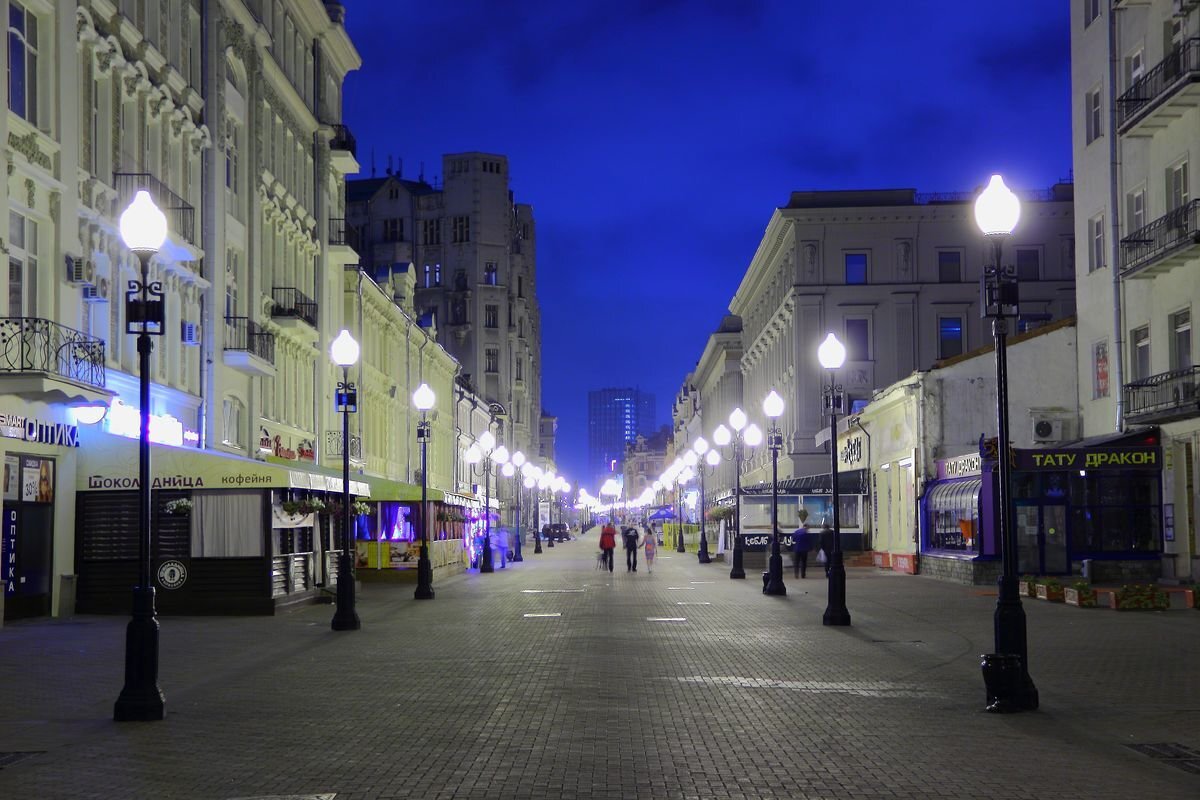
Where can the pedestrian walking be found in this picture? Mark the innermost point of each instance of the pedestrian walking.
(826, 553)
(608, 543)
(650, 543)
(630, 534)
(800, 547)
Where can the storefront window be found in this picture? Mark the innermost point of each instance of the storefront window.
(954, 516)
(1115, 513)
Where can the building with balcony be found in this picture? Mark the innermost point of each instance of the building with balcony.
(717, 388)
(472, 251)
(1135, 71)
(896, 275)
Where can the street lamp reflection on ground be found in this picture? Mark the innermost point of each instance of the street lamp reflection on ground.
(1009, 687)
(143, 229)
(773, 408)
(832, 355)
(344, 351)
(424, 398)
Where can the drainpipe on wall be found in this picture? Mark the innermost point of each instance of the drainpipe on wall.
(1117, 356)
(362, 446)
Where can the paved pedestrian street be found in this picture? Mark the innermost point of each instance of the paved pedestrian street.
(550, 679)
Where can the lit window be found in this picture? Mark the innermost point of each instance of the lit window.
(22, 62)
(950, 336)
(856, 268)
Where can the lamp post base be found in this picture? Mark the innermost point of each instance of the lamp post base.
(738, 572)
(345, 618)
(774, 583)
(679, 541)
(516, 556)
(1019, 694)
(703, 555)
(424, 575)
(836, 612)
(141, 700)
(485, 558)
(537, 543)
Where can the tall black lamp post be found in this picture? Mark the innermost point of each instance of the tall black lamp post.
(546, 484)
(511, 469)
(832, 354)
(344, 351)
(773, 408)
(743, 436)
(997, 211)
(483, 453)
(143, 229)
(700, 447)
(530, 484)
(424, 398)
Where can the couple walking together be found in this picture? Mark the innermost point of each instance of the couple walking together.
(630, 537)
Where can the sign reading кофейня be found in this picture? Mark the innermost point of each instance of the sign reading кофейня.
(1106, 458)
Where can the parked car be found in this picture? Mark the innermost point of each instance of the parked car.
(560, 532)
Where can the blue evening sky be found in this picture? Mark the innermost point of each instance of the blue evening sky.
(653, 139)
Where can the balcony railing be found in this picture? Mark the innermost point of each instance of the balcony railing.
(291, 302)
(1162, 398)
(343, 139)
(1175, 231)
(243, 333)
(181, 217)
(1182, 65)
(342, 233)
(29, 344)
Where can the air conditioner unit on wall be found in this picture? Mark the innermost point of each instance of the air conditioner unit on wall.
(81, 271)
(97, 293)
(190, 333)
(1047, 430)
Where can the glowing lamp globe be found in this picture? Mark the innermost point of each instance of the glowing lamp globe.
(712, 457)
(566, 486)
(530, 482)
(487, 441)
(508, 470)
(700, 446)
(423, 397)
(753, 436)
(344, 349)
(518, 459)
(690, 458)
(997, 209)
(473, 455)
(656, 486)
(773, 405)
(143, 226)
(831, 353)
(737, 419)
(722, 436)
(500, 455)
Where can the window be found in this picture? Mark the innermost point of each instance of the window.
(1091, 11)
(1092, 115)
(1181, 340)
(490, 273)
(858, 340)
(461, 230)
(1100, 370)
(520, 366)
(393, 230)
(491, 316)
(1177, 186)
(22, 62)
(856, 268)
(393, 193)
(428, 277)
(231, 171)
(437, 274)
(1135, 68)
(431, 231)
(491, 360)
(520, 286)
(1139, 343)
(22, 266)
(233, 410)
(1135, 203)
(1029, 264)
(1095, 243)
(950, 336)
(949, 266)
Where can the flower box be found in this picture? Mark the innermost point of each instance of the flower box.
(1049, 592)
(1140, 597)
(1083, 598)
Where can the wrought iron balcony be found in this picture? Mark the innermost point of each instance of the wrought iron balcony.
(341, 233)
(1163, 244)
(32, 345)
(291, 302)
(1164, 398)
(1164, 93)
(244, 334)
(181, 217)
(343, 139)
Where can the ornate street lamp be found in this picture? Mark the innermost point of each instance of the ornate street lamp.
(997, 211)
(518, 461)
(344, 351)
(700, 447)
(423, 398)
(832, 354)
(743, 436)
(545, 484)
(483, 453)
(773, 408)
(143, 229)
(531, 485)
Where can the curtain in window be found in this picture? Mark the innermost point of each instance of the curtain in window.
(227, 524)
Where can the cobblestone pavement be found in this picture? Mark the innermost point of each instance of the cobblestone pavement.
(676, 684)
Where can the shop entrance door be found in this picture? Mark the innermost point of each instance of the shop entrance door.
(1042, 539)
(27, 538)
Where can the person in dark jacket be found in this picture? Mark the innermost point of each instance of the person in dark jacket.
(630, 535)
(608, 542)
(800, 547)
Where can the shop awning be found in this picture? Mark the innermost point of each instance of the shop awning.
(954, 495)
(851, 482)
(387, 489)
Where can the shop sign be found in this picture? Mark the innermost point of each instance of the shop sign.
(28, 429)
(307, 450)
(172, 574)
(280, 447)
(1105, 458)
(759, 542)
(960, 467)
(125, 420)
(851, 452)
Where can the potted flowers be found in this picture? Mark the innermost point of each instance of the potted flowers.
(1140, 596)
(178, 508)
(1026, 585)
(1081, 594)
(360, 508)
(1049, 589)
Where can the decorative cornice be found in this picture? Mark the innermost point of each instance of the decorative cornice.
(27, 146)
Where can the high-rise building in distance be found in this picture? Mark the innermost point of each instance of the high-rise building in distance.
(615, 418)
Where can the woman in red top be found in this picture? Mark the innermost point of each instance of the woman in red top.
(608, 542)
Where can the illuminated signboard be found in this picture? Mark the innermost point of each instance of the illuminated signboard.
(125, 420)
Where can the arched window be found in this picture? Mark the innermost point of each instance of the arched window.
(233, 412)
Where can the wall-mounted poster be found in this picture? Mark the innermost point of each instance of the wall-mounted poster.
(37, 480)
(1100, 369)
(12, 474)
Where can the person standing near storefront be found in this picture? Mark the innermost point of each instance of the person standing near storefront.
(608, 543)
(800, 547)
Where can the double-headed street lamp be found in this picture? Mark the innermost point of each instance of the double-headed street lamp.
(423, 398)
(832, 354)
(344, 351)
(545, 484)
(143, 229)
(510, 470)
(773, 408)
(997, 211)
(530, 481)
(483, 453)
(743, 436)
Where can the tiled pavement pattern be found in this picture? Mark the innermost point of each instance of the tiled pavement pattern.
(749, 697)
